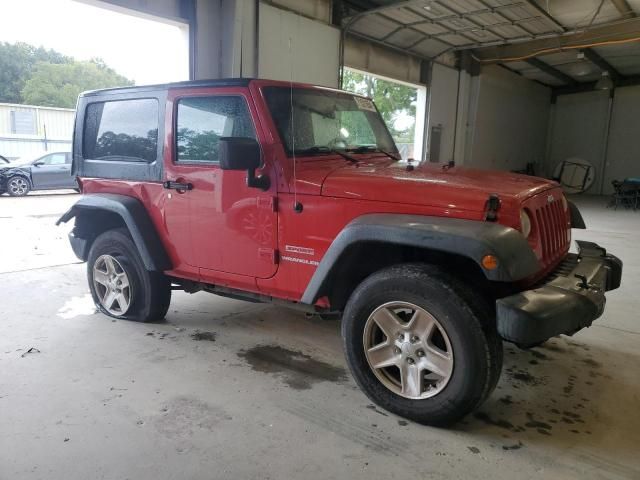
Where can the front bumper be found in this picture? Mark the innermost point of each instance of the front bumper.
(569, 300)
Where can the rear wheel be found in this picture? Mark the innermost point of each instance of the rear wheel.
(418, 344)
(18, 186)
(120, 285)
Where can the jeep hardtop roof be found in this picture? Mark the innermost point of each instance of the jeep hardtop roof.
(220, 82)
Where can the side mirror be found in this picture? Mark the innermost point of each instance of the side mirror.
(240, 153)
(38, 164)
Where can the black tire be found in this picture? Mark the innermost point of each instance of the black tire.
(18, 186)
(150, 291)
(462, 313)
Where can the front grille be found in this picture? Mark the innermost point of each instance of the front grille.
(552, 226)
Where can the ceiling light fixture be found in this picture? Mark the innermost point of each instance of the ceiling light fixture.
(605, 82)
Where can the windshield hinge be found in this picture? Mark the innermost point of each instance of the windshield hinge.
(491, 207)
(268, 203)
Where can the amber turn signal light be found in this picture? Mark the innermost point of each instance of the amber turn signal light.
(490, 262)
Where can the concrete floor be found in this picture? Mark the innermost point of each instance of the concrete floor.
(224, 389)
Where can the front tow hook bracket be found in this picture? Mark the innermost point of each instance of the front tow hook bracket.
(583, 281)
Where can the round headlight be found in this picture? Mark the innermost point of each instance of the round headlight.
(525, 223)
(565, 204)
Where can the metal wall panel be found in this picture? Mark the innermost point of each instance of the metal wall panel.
(579, 130)
(509, 121)
(623, 154)
(313, 55)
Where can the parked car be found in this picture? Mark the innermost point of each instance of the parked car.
(49, 171)
(293, 194)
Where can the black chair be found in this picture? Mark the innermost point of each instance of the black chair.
(625, 194)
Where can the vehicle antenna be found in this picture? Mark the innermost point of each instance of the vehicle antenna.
(297, 207)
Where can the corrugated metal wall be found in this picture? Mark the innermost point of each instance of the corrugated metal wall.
(26, 129)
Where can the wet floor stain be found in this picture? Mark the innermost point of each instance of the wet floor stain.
(297, 370)
(523, 376)
(538, 401)
(496, 422)
(515, 446)
(204, 336)
(539, 355)
(538, 425)
(375, 409)
(507, 400)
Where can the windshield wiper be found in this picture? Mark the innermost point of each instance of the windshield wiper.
(325, 149)
(367, 148)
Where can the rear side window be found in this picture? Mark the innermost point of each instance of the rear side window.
(203, 120)
(122, 130)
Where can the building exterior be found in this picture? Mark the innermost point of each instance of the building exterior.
(27, 129)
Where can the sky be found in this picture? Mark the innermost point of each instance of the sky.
(140, 49)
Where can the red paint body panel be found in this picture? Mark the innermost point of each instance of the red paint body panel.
(224, 233)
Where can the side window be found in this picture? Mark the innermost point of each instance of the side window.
(122, 130)
(203, 120)
(54, 159)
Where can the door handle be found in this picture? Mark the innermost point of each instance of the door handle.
(179, 186)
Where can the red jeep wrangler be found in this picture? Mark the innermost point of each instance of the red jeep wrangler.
(294, 194)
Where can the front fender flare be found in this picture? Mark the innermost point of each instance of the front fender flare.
(135, 217)
(469, 238)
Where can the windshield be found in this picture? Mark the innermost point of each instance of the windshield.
(325, 121)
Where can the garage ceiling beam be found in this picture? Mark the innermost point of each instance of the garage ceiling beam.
(601, 63)
(591, 86)
(549, 70)
(624, 8)
(618, 32)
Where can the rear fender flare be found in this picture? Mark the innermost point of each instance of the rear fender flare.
(135, 217)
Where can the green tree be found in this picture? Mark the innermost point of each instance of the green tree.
(58, 85)
(392, 99)
(17, 62)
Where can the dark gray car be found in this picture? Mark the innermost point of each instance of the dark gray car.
(48, 171)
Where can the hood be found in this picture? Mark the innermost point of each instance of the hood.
(430, 184)
(5, 167)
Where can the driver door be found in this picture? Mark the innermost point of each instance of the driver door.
(223, 225)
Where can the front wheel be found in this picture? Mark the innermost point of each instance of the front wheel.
(419, 346)
(120, 285)
(18, 186)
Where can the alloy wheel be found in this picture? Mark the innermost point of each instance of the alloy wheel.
(408, 350)
(18, 186)
(112, 285)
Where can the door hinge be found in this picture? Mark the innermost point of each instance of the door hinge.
(269, 203)
(269, 254)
